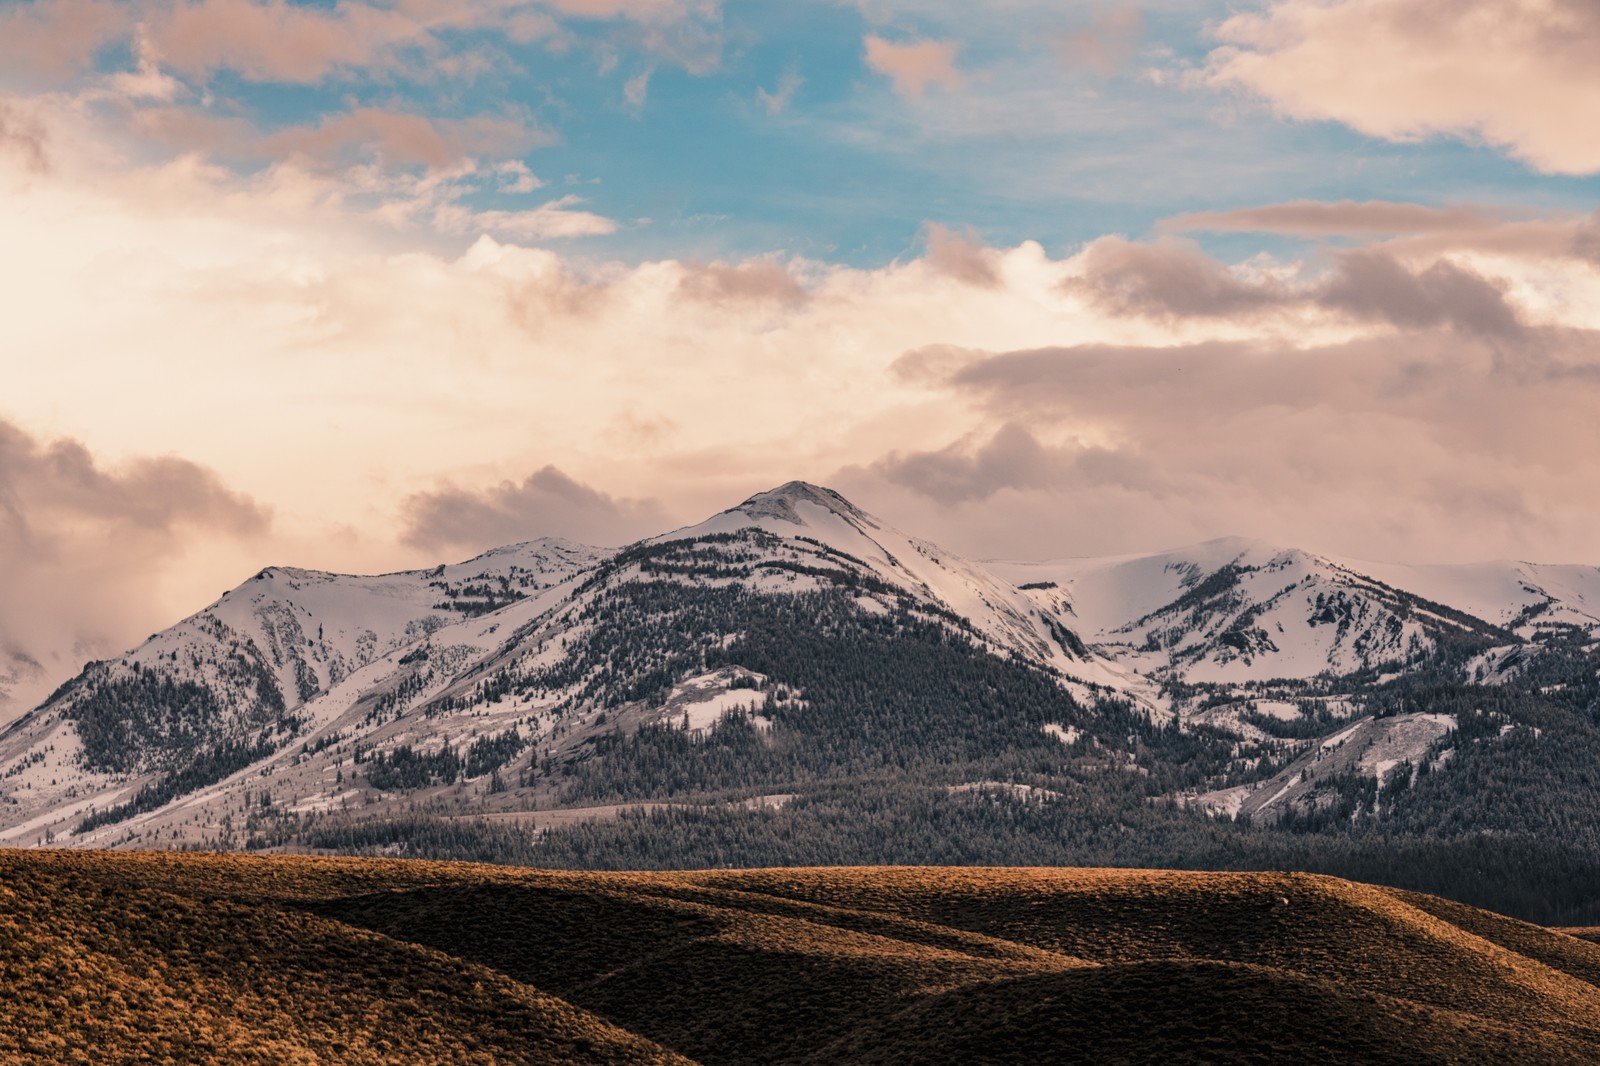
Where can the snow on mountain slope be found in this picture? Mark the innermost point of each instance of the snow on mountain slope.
(817, 522)
(383, 682)
(248, 675)
(1533, 600)
(371, 714)
(311, 629)
(1237, 611)
(1371, 748)
(474, 687)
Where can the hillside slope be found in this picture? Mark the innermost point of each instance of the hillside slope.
(237, 959)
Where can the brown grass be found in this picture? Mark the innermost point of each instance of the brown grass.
(181, 958)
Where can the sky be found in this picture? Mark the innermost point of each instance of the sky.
(374, 284)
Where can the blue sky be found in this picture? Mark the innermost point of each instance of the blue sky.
(1035, 143)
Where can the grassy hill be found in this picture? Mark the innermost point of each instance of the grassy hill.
(224, 958)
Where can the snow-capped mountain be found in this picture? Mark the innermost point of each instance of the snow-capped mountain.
(281, 680)
(1233, 611)
(511, 681)
(233, 682)
(817, 527)
(1537, 601)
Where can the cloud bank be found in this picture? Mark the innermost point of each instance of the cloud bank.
(547, 501)
(86, 549)
(1516, 74)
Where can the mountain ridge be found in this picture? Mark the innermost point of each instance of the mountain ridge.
(785, 646)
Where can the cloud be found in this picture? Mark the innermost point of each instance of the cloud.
(639, 10)
(1107, 43)
(1413, 230)
(1586, 239)
(556, 220)
(278, 41)
(400, 139)
(1011, 458)
(1173, 278)
(86, 548)
(1515, 74)
(295, 44)
(777, 101)
(1370, 447)
(1170, 277)
(515, 177)
(24, 138)
(755, 280)
(1375, 285)
(51, 41)
(222, 299)
(637, 89)
(1344, 218)
(962, 256)
(547, 503)
(62, 482)
(915, 65)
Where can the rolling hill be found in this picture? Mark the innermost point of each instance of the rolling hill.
(236, 959)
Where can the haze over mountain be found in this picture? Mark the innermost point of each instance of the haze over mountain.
(752, 666)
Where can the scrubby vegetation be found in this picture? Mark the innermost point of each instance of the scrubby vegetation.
(237, 959)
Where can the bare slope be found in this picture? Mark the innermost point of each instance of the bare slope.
(235, 959)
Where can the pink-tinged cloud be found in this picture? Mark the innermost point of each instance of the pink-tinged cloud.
(777, 101)
(1520, 75)
(401, 139)
(280, 41)
(23, 137)
(85, 548)
(962, 256)
(556, 220)
(916, 65)
(1430, 444)
(548, 503)
(1106, 44)
(1343, 218)
(1413, 231)
(53, 40)
(638, 10)
(755, 281)
(390, 141)
(1172, 279)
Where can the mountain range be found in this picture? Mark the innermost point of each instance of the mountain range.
(795, 681)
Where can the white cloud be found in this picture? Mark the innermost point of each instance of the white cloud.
(1518, 74)
(314, 341)
(777, 101)
(637, 89)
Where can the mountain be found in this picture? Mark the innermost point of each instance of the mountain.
(1235, 611)
(794, 680)
(248, 959)
(233, 683)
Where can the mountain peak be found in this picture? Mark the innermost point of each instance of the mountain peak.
(781, 503)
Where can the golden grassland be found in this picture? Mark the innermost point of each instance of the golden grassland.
(164, 957)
